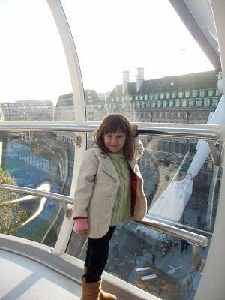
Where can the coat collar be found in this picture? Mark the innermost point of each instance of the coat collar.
(107, 164)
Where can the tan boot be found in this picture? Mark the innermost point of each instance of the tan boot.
(106, 296)
(90, 291)
(103, 295)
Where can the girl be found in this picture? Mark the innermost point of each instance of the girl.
(109, 191)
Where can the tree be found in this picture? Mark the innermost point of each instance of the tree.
(11, 215)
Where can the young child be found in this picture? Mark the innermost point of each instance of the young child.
(109, 191)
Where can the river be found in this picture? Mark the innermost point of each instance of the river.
(29, 170)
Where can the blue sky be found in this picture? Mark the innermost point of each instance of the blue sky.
(110, 36)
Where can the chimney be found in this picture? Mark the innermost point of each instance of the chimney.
(126, 79)
(139, 78)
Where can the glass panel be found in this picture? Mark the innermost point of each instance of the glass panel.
(35, 85)
(156, 262)
(35, 82)
(162, 264)
(42, 160)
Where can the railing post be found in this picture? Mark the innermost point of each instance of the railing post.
(65, 231)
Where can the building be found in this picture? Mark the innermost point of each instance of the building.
(95, 107)
(27, 110)
(64, 109)
(171, 99)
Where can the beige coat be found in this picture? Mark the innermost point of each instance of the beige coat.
(97, 188)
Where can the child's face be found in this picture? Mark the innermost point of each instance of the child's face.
(114, 142)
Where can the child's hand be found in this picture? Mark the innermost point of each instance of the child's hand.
(80, 226)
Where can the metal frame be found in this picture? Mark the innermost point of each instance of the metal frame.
(212, 285)
(200, 131)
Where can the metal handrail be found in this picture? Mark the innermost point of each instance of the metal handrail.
(174, 231)
(200, 131)
(189, 236)
(35, 192)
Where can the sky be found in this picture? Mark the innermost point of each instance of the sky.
(111, 36)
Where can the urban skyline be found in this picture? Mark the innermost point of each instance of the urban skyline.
(33, 64)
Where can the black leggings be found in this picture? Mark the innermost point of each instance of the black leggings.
(97, 256)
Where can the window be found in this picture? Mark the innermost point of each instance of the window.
(194, 93)
(177, 102)
(184, 103)
(202, 93)
(159, 103)
(207, 102)
(218, 93)
(167, 95)
(171, 103)
(214, 102)
(164, 103)
(187, 94)
(180, 94)
(156, 96)
(210, 92)
(174, 94)
(161, 96)
(191, 102)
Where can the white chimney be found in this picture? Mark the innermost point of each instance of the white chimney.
(139, 78)
(126, 79)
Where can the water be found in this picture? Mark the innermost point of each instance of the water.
(29, 170)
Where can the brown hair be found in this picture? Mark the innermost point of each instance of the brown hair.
(111, 124)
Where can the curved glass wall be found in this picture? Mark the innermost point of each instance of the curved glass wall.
(126, 68)
(157, 262)
(162, 264)
(34, 74)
